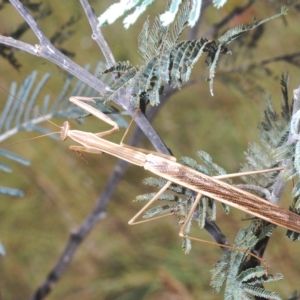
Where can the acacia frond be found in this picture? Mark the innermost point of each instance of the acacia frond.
(169, 61)
(295, 207)
(277, 147)
(219, 3)
(288, 149)
(120, 84)
(26, 116)
(239, 283)
(122, 8)
(121, 66)
(273, 134)
(237, 31)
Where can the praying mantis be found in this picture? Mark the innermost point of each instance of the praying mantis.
(166, 166)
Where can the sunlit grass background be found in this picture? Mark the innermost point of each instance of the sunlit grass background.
(117, 261)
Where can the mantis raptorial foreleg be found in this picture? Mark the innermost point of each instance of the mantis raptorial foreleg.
(79, 102)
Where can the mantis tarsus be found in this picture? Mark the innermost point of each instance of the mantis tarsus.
(167, 167)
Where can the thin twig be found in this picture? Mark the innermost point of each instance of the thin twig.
(237, 11)
(97, 33)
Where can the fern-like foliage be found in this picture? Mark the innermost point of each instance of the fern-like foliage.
(243, 283)
(118, 10)
(288, 154)
(289, 150)
(295, 207)
(277, 147)
(219, 3)
(273, 131)
(169, 61)
(27, 115)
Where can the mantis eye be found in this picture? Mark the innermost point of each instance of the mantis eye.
(64, 130)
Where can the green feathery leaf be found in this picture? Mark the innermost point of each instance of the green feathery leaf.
(26, 116)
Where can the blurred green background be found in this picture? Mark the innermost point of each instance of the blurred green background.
(142, 262)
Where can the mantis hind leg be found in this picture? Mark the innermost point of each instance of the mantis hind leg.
(182, 234)
(132, 221)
